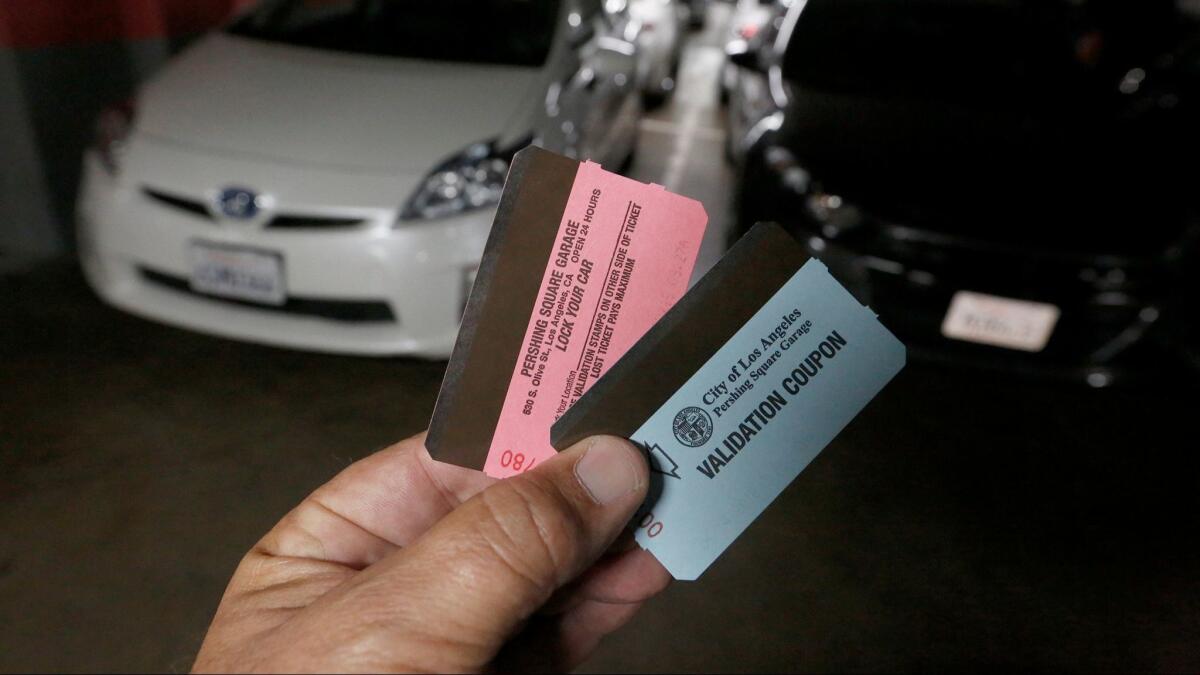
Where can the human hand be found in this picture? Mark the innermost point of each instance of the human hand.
(402, 563)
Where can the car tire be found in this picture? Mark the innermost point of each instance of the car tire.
(660, 94)
(627, 163)
(746, 211)
(729, 154)
(656, 99)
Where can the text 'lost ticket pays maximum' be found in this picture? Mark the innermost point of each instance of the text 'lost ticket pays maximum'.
(580, 264)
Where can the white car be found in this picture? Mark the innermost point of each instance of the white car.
(323, 175)
(660, 27)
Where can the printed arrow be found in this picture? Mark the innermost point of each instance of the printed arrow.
(661, 462)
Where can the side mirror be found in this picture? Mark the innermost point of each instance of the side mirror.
(613, 56)
(742, 55)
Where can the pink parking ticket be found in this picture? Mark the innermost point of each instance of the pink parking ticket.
(621, 256)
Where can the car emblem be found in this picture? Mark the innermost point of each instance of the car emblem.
(239, 203)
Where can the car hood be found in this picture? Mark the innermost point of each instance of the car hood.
(1021, 177)
(243, 96)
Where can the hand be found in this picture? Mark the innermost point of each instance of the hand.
(402, 563)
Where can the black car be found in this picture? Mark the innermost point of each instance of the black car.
(1008, 183)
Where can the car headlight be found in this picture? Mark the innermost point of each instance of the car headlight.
(472, 179)
(113, 127)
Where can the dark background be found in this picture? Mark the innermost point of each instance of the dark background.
(963, 520)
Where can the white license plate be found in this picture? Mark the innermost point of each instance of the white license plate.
(1001, 322)
(237, 273)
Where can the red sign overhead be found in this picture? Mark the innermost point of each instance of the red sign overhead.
(30, 24)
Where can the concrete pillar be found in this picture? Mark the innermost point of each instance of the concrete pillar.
(28, 229)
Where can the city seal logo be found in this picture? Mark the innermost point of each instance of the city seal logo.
(692, 426)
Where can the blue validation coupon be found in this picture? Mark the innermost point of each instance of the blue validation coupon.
(748, 422)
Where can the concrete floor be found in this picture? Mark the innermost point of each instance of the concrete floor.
(961, 521)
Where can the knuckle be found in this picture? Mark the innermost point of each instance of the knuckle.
(293, 536)
(533, 529)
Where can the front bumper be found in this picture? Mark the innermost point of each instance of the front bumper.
(373, 289)
(1122, 320)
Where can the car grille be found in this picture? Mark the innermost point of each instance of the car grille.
(296, 222)
(192, 206)
(283, 221)
(350, 311)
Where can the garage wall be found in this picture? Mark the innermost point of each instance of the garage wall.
(61, 62)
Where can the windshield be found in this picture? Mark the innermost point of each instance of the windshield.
(993, 51)
(509, 32)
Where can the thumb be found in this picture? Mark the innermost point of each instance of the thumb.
(491, 563)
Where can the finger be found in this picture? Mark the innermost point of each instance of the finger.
(632, 577)
(481, 572)
(625, 542)
(373, 507)
(584, 627)
(619, 577)
(560, 643)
